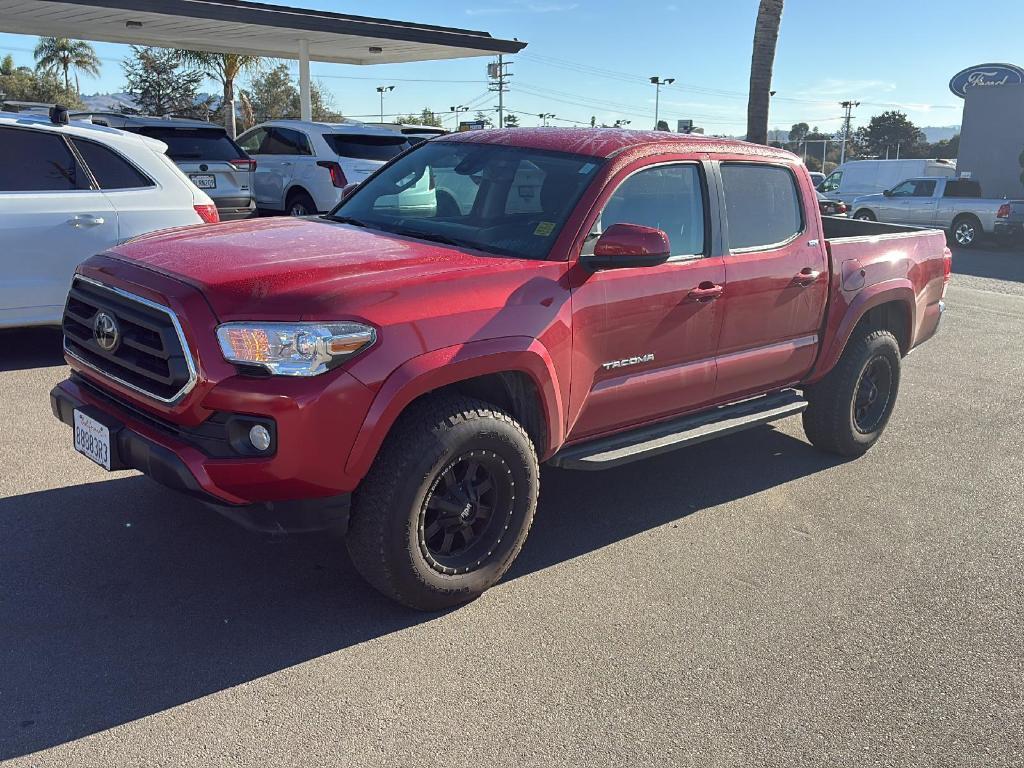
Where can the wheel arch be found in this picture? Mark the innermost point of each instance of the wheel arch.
(889, 305)
(515, 374)
(296, 189)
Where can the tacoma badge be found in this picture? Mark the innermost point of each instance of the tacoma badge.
(628, 361)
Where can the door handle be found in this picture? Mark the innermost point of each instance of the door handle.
(806, 277)
(706, 291)
(286, 162)
(85, 220)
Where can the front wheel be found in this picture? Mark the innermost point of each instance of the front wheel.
(864, 215)
(447, 505)
(849, 409)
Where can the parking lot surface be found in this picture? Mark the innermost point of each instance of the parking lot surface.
(750, 601)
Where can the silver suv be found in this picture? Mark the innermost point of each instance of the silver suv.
(204, 151)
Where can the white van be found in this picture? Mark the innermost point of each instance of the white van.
(868, 177)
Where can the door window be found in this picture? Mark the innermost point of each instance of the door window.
(285, 141)
(831, 184)
(904, 189)
(110, 169)
(252, 140)
(666, 197)
(38, 161)
(924, 188)
(762, 205)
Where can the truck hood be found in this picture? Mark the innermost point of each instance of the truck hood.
(862, 199)
(288, 268)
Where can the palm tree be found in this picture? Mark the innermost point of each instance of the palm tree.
(766, 34)
(225, 68)
(65, 54)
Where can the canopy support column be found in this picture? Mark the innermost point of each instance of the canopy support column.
(305, 98)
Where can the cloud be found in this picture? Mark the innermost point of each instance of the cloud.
(523, 7)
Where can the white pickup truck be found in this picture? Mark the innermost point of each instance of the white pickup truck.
(955, 205)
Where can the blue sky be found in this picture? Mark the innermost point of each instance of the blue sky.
(594, 58)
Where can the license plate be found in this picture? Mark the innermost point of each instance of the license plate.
(204, 180)
(92, 439)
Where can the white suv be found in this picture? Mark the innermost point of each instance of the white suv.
(68, 191)
(302, 167)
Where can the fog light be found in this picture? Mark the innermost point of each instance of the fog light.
(259, 436)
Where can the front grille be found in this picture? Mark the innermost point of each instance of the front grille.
(149, 355)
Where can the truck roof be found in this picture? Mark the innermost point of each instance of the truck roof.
(606, 142)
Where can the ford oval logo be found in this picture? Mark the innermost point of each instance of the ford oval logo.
(106, 332)
(985, 76)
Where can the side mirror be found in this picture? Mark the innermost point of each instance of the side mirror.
(628, 245)
(348, 189)
(887, 192)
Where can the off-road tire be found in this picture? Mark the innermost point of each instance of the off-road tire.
(830, 421)
(386, 533)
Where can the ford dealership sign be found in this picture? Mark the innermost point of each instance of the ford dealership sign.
(985, 76)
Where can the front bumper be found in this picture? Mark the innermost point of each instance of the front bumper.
(179, 459)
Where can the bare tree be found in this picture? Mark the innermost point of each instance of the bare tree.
(766, 34)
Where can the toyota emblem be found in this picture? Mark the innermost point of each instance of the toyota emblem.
(106, 332)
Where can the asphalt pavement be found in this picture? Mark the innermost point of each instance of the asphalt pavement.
(746, 602)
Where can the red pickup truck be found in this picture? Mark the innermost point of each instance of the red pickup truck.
(485, 303)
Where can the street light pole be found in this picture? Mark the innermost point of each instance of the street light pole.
(382, 89)
(658, 82)
(455, 111)
(544, 116)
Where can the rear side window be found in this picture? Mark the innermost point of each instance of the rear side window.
(284, 141)
(110, 169)
(184, 144)
(366, 147)
(762, 204)
(37, 161)
(962, 188)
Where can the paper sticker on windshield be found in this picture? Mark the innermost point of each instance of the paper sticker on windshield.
(545, 228)
(587, 168)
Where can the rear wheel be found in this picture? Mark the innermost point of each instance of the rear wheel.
(965, 232)
(447, 505)
(864, 215)
(300, 204)
(849, 409)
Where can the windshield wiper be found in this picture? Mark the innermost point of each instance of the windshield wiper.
(348, 220)
(435, 238)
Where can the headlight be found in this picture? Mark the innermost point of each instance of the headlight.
(293, 349)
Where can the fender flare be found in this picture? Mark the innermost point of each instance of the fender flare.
(451, 365)
(900, 290)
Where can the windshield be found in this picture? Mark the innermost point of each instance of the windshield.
(507, 200)
(196, 143)
(366, 147)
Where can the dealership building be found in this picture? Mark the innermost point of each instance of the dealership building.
(992, 129)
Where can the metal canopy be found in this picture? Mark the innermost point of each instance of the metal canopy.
(233, 26)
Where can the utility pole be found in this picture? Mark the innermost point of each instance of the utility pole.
(498, 82)
(848, 106)
(382, 89)
(658, 82)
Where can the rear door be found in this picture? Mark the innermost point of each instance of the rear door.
(211, 160)
(776, 278)
(51, 219)
(645, 339)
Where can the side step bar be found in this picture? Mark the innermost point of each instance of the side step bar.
(665, 436)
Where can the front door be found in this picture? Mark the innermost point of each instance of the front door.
(644, 339)
(776, 279)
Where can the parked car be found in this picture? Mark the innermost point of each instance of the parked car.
(955, 205)
(68, 191)
(867, 177)
(303, 166)
(1009, 224)
(830, 207)
(816, 178)
(204, 151)
(405, 377)
(414, 133)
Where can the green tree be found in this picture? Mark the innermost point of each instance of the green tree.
(160, 83)
(762, 60)
(481, 117)
(24, 84)
(7, 65)
(888, 133)
(62, 54)
(798, 132)
(273, 95)
(511, 121)
(225, 68)
(426, 117)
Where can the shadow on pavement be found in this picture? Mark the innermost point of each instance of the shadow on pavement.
(119, 600)
(1003, 263)
(24, 348)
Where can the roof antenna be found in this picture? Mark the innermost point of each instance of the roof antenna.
(58, 115)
